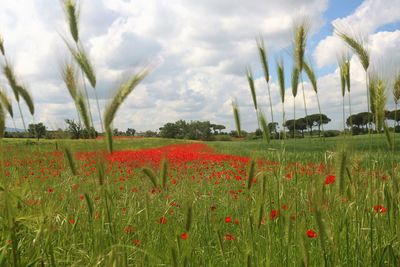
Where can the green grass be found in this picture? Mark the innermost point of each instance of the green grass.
(110, 214)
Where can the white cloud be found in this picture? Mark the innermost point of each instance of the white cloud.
(367, 18)
(201, 48)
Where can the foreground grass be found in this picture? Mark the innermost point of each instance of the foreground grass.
(208, 210)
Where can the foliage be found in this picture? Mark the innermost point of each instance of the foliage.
(37, 130)
(194, 130)
(77, 131)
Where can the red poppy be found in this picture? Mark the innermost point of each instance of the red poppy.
(229, 237)
(236, 221)
(274, 214)
(136, 242)
(330, 179)
(163, 220)
(71, 221)
(228, 219)
(311, 233)
(128, 229)
(184, 236)
(379, 209)
(50, 190)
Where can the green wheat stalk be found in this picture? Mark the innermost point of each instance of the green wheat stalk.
(70, 160)
(264, 126)
(2, 45)
(6, 102)
(122, 93)
(300, 41)
(359, 48)
(313, 79)
(236, 115)
(281, 79)
(250, 80)
(295, 83)
(72, 14)
(264, 63)
(342, 73)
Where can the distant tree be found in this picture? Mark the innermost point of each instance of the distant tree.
(290, 125)
(150, 133)
(273, 127)
(169, 130)
(198, 130)
(130, 132)
(74, 128)
(77, 131)
(37, 130)
(258, 132)
(219, 127)
(301, 125)
(360, 121)
(316, 120)
(394, 115)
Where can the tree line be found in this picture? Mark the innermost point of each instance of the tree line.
(361, 122)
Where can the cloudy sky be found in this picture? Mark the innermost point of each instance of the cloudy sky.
(201, 50)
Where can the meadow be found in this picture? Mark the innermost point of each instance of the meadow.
(160, 202)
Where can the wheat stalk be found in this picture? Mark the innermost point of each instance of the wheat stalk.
(69, 77)
(23, 92)
(295, 81)
(300, 41)
(396, 89)
(152, 176)
(6, 102)
(377, 88)
(84, 63)
(250, 79)
(311, 76)
(264, 63)
(313, 79)
(83, 110)
(122, 93)
(342, 73)
(281, 79)
(264, 126)
(2, 122)
(2, 45)
(236, 115)
(8, 72)
(72, 13)
(70, 160)
(359, 48)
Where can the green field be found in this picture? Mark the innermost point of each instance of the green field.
(307, 204)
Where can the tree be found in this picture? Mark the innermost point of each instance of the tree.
(301, 125)
(198, 130)
(37, 130)
(130, 132)
(289, 124)
(219, 127)
(273, 127)
(169, 130)
(77, 131)
(74, 128)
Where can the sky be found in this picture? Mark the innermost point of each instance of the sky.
(199, 51)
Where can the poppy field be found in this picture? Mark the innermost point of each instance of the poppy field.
(194, 204)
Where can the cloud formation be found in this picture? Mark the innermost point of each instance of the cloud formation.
(200, 48)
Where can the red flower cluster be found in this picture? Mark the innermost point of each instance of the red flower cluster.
(311, 233)
(330, 179)
(379, 209)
